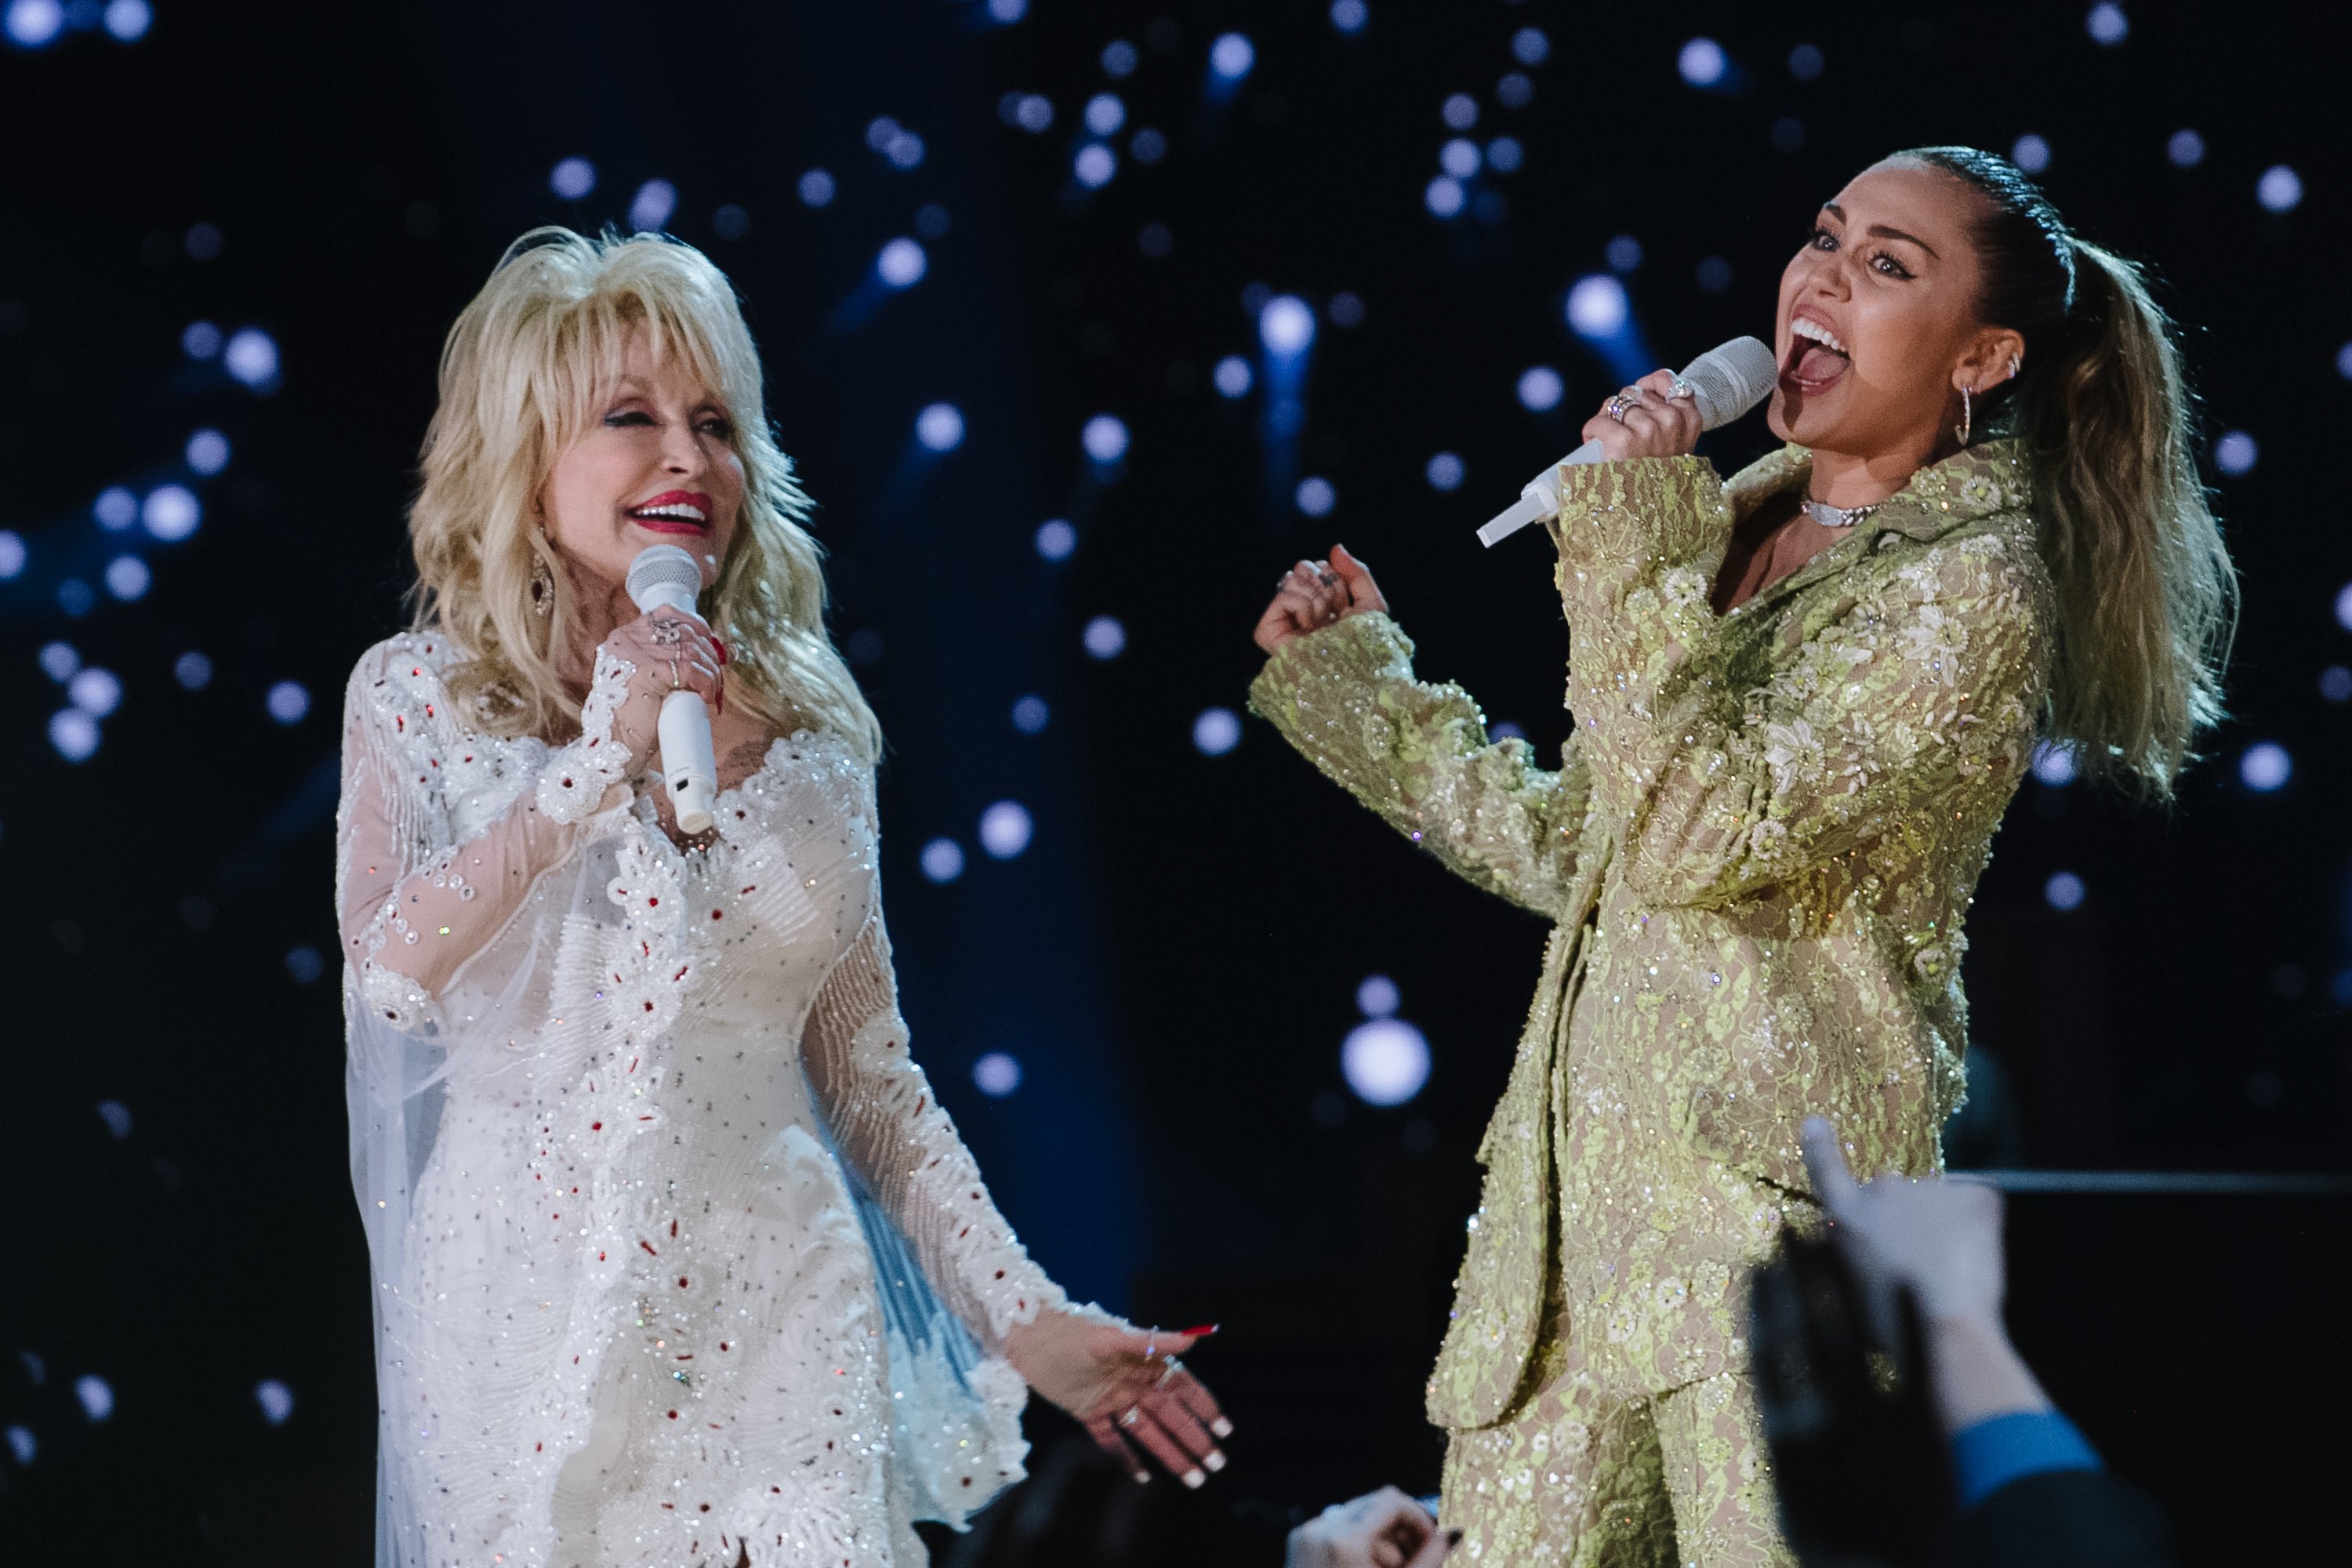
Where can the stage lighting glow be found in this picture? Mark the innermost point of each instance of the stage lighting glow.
(2235, 452)
(193, 671)
(1529, 47)
(76, 597)
(207, 453)
(2030, 152)
(1788, 134)
(1104, 439)
(1444, 196)
(1514, 91)
(1119, 60)
(1385, 1061)
(1155, 240)
(251, 357)
(652, 205)
(2053, 764)
(1216, 731)
(201, 341)
(1231, 57)
(126, 577)
(1504, 154)
(1029, 715)
(171, 512)
(115, 509)
(304, 965)
(1624, 253)
(1445, 472)
(2185, 148)
(1284, 326)
(22, 1444)
(1460, 157)
(1378, 997)
(1094, 165)
(1541, 389)
(942, 859)
(1597, 306)
(1008, 11)
(12, 553)
(277, 1401)
(1702, 62)
(33, 24)
(1231, 376)
(1005, 829)
(96, 1395)
(1713, 275)
(1148, 146)
(2280, 189)
(288, 701)
(202, 242)
(1346, 308)
(117, 1116)
(2107, 25)
(2266, 766)
(1105, 114)
(74, 734)
(61, 659)
(1103, 637)
(1350, 16)
(1031, 112)
(1805, 63)
(96, 692)
(2335, 683)
(2343, 607)
(128, 20)
(572, 178)
(996, 1074)
(1315, 497)
(2344, 362)
(2063, 891)
(905, 150)
(1056, 538)
(1460, 112)
(816, 188)
(731, 221)
(901, 264)
(939, 427)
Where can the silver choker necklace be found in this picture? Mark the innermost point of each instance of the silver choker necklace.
(1829, 516)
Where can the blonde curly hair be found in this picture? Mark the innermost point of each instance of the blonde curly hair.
(521, 375)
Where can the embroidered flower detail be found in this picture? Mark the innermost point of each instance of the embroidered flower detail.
(1684, 588)
(1977, 489)
(1933, 639)
(1793, 752)
(652, 956)
(577, 776)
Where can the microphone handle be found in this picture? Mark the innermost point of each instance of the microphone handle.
(689, 762)
(1540, 500)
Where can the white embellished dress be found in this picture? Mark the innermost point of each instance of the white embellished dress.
(675, 1255)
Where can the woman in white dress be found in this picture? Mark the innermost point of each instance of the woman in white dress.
(676, 1261)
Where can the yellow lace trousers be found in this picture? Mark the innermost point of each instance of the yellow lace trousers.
(1578, 1480)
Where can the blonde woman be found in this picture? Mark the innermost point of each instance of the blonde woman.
(1803, 698)
(676, 1261)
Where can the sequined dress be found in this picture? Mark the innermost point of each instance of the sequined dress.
(1757, 853)
(675, 1255)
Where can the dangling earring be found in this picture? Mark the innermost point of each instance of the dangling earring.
(542, 586)
(1967, 418)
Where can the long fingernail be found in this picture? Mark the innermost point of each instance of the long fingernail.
(1143, 1478)
(1202, 1333)
(1222, 1428)
(1215, 1459)
(1196, 1480)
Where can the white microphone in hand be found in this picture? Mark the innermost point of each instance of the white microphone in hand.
(664, 576)
(1725, 383)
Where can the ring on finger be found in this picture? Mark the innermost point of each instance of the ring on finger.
(1615, 407)
(1682, 389)
(1170, 1370)
(1134, 1416)
(675, 683)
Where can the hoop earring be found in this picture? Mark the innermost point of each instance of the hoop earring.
(543, 586)
(1967, 418)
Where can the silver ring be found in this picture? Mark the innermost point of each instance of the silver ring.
(1134, 1416)
(675, 683)
(1329, 579)
(1615, 407)
(1682, 389)
(1173, 1367)
(667, 633)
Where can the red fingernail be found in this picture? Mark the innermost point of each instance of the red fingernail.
(721, 648)
(1202, 1333)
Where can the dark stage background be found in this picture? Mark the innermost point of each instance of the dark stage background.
(257, 220)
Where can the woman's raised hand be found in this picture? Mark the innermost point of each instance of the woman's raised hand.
(1314, 593)
(1127, 1389)
(1653, 419)
(671, 653)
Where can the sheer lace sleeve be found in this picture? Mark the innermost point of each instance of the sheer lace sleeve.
(886, 1121)
(413, 905)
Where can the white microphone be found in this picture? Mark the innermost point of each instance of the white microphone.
(664, 576)
(1725, 383)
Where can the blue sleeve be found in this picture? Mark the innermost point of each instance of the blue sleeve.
(1990, 1455)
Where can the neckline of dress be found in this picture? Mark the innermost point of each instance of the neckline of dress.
(721, 812)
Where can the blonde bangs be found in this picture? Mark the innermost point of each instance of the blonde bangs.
(523, 371)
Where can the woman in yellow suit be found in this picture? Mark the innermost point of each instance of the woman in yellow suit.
(1802, 699)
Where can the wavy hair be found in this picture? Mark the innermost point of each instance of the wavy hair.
(521, 375)
(2147, 595)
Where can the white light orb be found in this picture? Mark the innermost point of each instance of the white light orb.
(74, 734)
(1443, 196)
(1460, 157)
(904, 151)
(251, 356)
(1445, 472)
(201, 341)
(2185, 148)
(1103, 637)
(96, 691)
(2344, 606)
(942, 859)
(1005, 829)
(2030, 152)
(1285, 326)
(1385, 1061)
(1597, 306)
(1094, 165)
(1104, 438)
(572, 178)
(1056, 538)
(288, 701)
(193, 671)
(33, 24)
(1231, 57)
(12, 553)
(1034, 114)
(2063, 891)
(901, 263)
(1541, 389)
(1504, 154)
(1105, 112)
(126, 577)
(2235, 452)
(1315, 497)
(1515, 90)
(2266, 766)
(652, 205)
(816, 188)
(1460, 112)
(2053, 764)
(996, 1074)
(2335, 683)
(116, 508)
(939, 427)
(128, 20)
(117, 1116)
(23, 1445)
(96, 1395)
(2107, 25)
(1530, 47)
(2280, 189)
(207, 452)
(60, 660)
(1702, 62)
(1007, 11)
(277, 1401)
(1378, 997)
(1031, 715)
(1232, 377)
(171, 512)
(1216, 731)
(1350, 16)
(1119, 60)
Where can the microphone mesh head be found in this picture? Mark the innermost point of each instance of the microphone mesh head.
(1728, 381)
(662, 566)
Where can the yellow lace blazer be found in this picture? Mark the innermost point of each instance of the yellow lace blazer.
(1759, 847)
